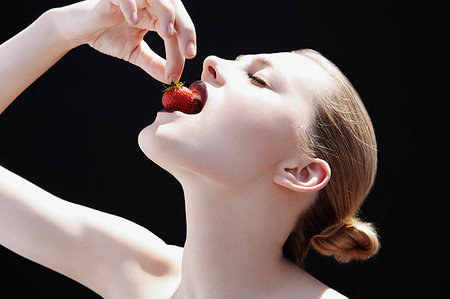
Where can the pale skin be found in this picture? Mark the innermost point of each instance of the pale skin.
(244, 188)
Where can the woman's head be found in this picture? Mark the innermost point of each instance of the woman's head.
(284, 120)
(246, 127)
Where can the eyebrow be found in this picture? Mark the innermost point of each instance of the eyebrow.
(278, 83)
(258, 60)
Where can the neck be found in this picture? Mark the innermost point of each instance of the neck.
(234, 240)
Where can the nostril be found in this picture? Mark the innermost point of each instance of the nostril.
(212, 71)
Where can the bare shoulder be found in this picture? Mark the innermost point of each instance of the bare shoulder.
(176, 254)
(323, 291)
(332, 294)
(133, 242)
(144, 266)
(304, 285)
(152, 272)
(119, 258)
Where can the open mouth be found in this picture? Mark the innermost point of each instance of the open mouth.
(200, 93)
(190, 100)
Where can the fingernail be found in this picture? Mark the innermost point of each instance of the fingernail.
(134, 17)
(190, 49)
(170, 29)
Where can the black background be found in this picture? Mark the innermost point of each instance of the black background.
(74, 133)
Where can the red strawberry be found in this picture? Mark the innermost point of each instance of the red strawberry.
(180, 98)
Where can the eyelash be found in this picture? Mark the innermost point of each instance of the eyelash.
(257, 80)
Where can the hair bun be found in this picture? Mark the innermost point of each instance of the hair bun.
(352, 239)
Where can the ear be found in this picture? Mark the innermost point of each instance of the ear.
(308, 178)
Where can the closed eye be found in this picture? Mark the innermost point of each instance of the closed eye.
(257, 80)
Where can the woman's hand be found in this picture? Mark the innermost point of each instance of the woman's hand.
(117, 28)
(114, 27)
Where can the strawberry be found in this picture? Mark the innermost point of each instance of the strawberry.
(180, 98)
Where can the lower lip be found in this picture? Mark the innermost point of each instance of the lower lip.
(198, 88)
(171, 113)
(167, 110)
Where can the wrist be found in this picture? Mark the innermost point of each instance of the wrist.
(56, 18)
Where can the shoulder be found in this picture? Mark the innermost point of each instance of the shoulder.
(131, 260)
(332, 294)
(304, 285)
(149, 273)
(147, 268)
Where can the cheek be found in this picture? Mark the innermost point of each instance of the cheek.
(236, 139)
(250, 137)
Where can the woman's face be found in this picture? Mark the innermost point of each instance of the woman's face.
(248, 124)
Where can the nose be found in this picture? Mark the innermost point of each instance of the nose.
(214, 71)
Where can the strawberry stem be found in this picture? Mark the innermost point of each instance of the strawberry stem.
(172, 85)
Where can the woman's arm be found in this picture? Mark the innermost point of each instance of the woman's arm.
(113, 27)
(102, 251)
(26, 56)
(106, 253)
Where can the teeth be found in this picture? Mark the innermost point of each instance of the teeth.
(200, 94)
(197, 95)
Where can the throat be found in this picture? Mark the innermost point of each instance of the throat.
(230, 269)
(235, 238)
(227, 252)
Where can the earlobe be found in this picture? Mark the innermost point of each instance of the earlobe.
(311, 177)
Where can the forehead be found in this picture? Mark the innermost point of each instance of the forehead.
(299, 69)
(303, 77)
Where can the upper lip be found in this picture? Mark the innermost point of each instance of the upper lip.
(200, 91)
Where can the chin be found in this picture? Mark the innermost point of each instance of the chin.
(160, 143)
(149, 144)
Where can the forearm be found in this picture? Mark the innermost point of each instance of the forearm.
(27, 55)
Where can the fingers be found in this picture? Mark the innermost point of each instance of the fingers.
(129, 10)
(174, 26)
(151, 62)
(165, 13)
(173, 19)
(157, 67)
(175, 60)
(185, 30)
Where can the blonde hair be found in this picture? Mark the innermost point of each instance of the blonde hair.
(341, 134)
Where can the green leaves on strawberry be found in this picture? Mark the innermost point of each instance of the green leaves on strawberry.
(178, 97)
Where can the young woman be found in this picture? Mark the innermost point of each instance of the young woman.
(281, 156)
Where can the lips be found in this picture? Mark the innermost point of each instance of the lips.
(200, 92)
(190, 100)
